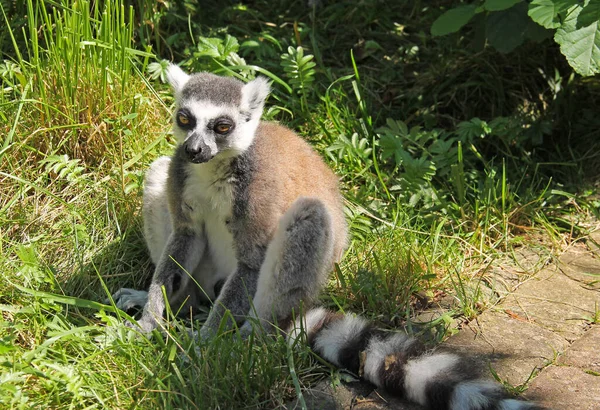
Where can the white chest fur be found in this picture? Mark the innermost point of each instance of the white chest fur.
(208, 201)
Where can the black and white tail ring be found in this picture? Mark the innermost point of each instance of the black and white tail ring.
(401, 365)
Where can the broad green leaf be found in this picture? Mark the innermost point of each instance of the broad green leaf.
(547, 12)
(537, 33)
(589, 14)
(498, 5)
(506, 29)
(209, 47)
(230, 45)
(581, 46)
(453, 20)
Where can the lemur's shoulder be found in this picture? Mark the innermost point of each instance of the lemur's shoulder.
(284, 169)
(284, 155)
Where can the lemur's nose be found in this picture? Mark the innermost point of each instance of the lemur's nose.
(192, 152)
(198, 152)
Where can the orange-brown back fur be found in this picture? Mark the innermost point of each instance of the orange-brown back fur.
(289, 168)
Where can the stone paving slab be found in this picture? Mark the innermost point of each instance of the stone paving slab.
(554, 301)
(513, 348)
(350, 396)
(542, 324)
(565, 388)
(506, 274)
(593, 242)
(380, 400)
(325, 396)
(582, 266)
(585, 352)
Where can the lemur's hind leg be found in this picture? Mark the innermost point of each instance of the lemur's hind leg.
(157, 227)
(297, 263)
(157, 220)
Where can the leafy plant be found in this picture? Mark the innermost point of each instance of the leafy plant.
(577, 31)
(299, 69)
(509, 23)
(418, 156)
(9, 72)
(213, 53)
(65, 168)
(354, 151)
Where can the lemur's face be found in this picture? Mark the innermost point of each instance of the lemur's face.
(215, 115)
(207, 129)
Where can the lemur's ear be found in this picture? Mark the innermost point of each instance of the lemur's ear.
(254, 94)
(176, 77)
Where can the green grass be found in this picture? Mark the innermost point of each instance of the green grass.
(449, 159)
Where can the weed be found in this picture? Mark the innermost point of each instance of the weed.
(595, 317)
(519, 389)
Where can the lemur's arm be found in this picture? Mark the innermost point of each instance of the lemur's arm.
(235, 297)
(183, 251)
(181, 256)
(251, 241)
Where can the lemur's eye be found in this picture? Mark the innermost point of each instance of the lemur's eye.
(222, 126)
(185, 120)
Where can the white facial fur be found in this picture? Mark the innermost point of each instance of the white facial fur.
(246, 116)
(234, 143)
(176, 77)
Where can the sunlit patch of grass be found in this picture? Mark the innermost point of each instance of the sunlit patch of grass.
(83, 127)
(66, 361)
(82, 121)
(396, 272)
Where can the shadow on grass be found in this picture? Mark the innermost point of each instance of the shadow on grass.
(124, 262)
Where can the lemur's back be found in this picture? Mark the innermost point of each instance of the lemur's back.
(288, 168)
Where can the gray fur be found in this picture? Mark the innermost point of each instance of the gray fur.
(235, 298)
(177, 176)
(182, 254)
(195, 210)
(210, 87)
(295, 267)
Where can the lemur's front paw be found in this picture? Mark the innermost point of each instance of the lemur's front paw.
(246, 330)
(144, 325)
(205, 333)
(126, 298)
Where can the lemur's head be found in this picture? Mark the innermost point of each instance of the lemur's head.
(215, 114)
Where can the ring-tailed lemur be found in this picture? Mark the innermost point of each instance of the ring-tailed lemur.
(253, 214)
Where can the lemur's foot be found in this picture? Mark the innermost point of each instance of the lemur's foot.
(145, 325)
(126, 298)
(246, 330)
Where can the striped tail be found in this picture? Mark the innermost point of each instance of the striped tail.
(400, 364)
